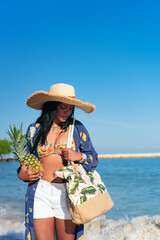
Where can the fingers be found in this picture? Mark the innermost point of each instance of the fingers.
(31, 168)
(29, 173)
(71, 155)
(68, 154)
(24, 165)
(34, 175)
(67, 150)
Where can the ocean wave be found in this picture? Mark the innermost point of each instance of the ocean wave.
(10, 230)
(11, 225)
(138, 228)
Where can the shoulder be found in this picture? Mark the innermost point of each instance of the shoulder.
(35, 125)
(81, 128)
(78, 123)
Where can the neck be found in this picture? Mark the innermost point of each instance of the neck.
(54, 125)
(56, 122)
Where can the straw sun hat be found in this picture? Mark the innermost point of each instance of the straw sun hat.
(58, 92)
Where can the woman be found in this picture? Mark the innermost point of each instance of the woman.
(47, 205)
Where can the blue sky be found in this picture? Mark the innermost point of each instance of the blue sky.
(108, 50)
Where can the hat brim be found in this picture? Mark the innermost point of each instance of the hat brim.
(37, 99)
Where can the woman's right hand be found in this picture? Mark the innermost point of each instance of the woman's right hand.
(27, 174)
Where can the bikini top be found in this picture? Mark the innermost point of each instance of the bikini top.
(46, 149)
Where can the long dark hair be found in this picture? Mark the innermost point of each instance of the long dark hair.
(46, 120)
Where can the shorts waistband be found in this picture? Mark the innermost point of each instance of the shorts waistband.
(58, 185)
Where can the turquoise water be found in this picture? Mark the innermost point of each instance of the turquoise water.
(132, 183)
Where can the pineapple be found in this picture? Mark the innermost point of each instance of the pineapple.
(19, 142)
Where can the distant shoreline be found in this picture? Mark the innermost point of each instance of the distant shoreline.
(7, 159)
(109, 156)
(129, 155)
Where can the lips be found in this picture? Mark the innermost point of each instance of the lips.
(65, 117)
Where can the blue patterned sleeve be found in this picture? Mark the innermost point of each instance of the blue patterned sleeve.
(86, 147)
(28, 144)
(30, 136)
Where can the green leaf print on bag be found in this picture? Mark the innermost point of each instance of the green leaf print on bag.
(67, 169)
(74, 187)
(69, 178)
(83, 198)
(81, 185)
(80, 180)
(101, 188)
(91, 177)
(88, 190)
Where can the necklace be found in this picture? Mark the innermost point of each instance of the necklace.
(53, 128)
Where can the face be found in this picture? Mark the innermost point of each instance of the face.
(63, 112)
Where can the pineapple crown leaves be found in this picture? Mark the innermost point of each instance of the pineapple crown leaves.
(18, 140)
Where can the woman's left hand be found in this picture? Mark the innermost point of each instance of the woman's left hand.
(70, 155)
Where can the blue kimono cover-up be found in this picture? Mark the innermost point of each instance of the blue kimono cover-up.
(84, 145)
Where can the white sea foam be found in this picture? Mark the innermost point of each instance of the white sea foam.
(139, 228)
(11, 226)
(10, 230)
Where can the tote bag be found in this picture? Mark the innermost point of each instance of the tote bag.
(88, 196)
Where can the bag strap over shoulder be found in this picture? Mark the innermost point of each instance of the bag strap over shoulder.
(70, 134)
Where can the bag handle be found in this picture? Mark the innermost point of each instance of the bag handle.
(70, 134)
(69, 142)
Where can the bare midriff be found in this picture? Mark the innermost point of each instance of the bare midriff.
(51, 164)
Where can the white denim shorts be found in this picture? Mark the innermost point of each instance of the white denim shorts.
(51, 200)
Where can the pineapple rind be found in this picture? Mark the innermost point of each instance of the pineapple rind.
(31, 159)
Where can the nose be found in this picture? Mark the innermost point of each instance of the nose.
(68, 111)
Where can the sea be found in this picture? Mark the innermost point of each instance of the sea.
(134, 186)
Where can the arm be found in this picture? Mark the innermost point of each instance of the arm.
(23, 173)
